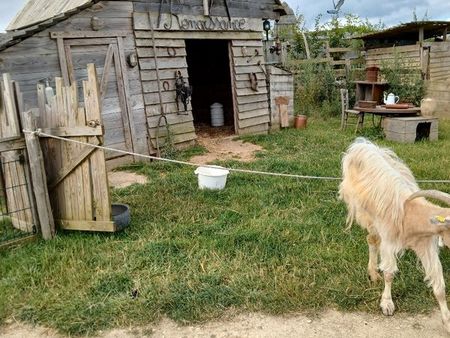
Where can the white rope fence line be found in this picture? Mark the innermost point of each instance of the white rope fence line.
(39, 133)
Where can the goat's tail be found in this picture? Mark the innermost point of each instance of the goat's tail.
(436, 194)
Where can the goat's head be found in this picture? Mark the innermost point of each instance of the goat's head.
(441, 220)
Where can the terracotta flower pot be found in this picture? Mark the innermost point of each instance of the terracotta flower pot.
(300, 121)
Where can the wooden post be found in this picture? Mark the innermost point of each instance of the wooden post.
(421, 38)
(44, 210)
(206, 7)
(444, 34)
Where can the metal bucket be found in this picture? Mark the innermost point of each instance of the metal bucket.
(217, 119)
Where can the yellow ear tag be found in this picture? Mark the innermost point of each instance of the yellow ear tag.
(440, 220)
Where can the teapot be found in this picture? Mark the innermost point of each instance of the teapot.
(390, 98)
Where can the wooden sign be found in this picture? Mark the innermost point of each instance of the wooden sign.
(200, 23)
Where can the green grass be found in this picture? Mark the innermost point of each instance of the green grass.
(266, 244)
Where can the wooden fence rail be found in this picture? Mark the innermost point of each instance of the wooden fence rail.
(342, 65)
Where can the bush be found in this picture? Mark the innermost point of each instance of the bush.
(405, 80)
(316, 90)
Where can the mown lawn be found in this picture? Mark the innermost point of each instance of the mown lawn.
(275, 245)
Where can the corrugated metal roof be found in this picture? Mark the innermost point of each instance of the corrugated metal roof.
(36, 11)
(409, 30)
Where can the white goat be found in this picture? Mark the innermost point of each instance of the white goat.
(382, 195)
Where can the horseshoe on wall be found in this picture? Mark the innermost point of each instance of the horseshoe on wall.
(253, 81)
(171, 51)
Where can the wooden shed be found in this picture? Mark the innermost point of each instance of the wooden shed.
(149, 54)
(425, 46)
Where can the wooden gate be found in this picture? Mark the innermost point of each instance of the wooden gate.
(24, 207)
(77, 177)
(106, 50)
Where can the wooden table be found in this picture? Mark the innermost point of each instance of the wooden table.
(382, 111)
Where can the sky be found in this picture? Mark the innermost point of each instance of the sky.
(390, 12)
(9, 8)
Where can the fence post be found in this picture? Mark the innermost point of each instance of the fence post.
(38, 176)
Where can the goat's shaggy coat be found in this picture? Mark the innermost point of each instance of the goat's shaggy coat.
(383, 197)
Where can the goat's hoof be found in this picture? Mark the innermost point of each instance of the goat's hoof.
(374, 276)
(387, 307)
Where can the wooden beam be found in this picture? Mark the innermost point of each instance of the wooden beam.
(421, 35)
(87, 34)
(100, 187)
(206, 7)
(12, 143)
(126, 88)
(74, 131)
(44, 210)
(71, 166)
(200, 35)
(106, 69)
(103, 226)
(63, 61)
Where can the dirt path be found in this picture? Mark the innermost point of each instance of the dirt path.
(220, 147)
(327, 324)
(225, 148)
(123, 179)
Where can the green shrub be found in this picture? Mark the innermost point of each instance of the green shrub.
(316, 90)
(405, 79)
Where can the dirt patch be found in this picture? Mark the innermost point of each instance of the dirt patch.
(123, 179)
(328, 324)
(222, 146)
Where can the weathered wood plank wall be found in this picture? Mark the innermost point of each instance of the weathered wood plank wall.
(252, 105)
(281, 91)
(410, 55)
(439, 60)
(36, 58)
(242, 8)
(171, 57)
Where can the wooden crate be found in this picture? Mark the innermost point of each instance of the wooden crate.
(410, 129)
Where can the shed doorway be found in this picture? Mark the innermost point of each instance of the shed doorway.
(210, 77)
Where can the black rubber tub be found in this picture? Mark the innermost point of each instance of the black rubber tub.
(121, 215)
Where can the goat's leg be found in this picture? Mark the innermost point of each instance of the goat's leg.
(388, 265)
(373, 240)
(428, 253)
(386, 303)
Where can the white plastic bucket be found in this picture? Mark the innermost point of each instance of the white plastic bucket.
(217, 119)
(213, 178)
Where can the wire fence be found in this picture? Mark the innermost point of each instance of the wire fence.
(16, 211)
